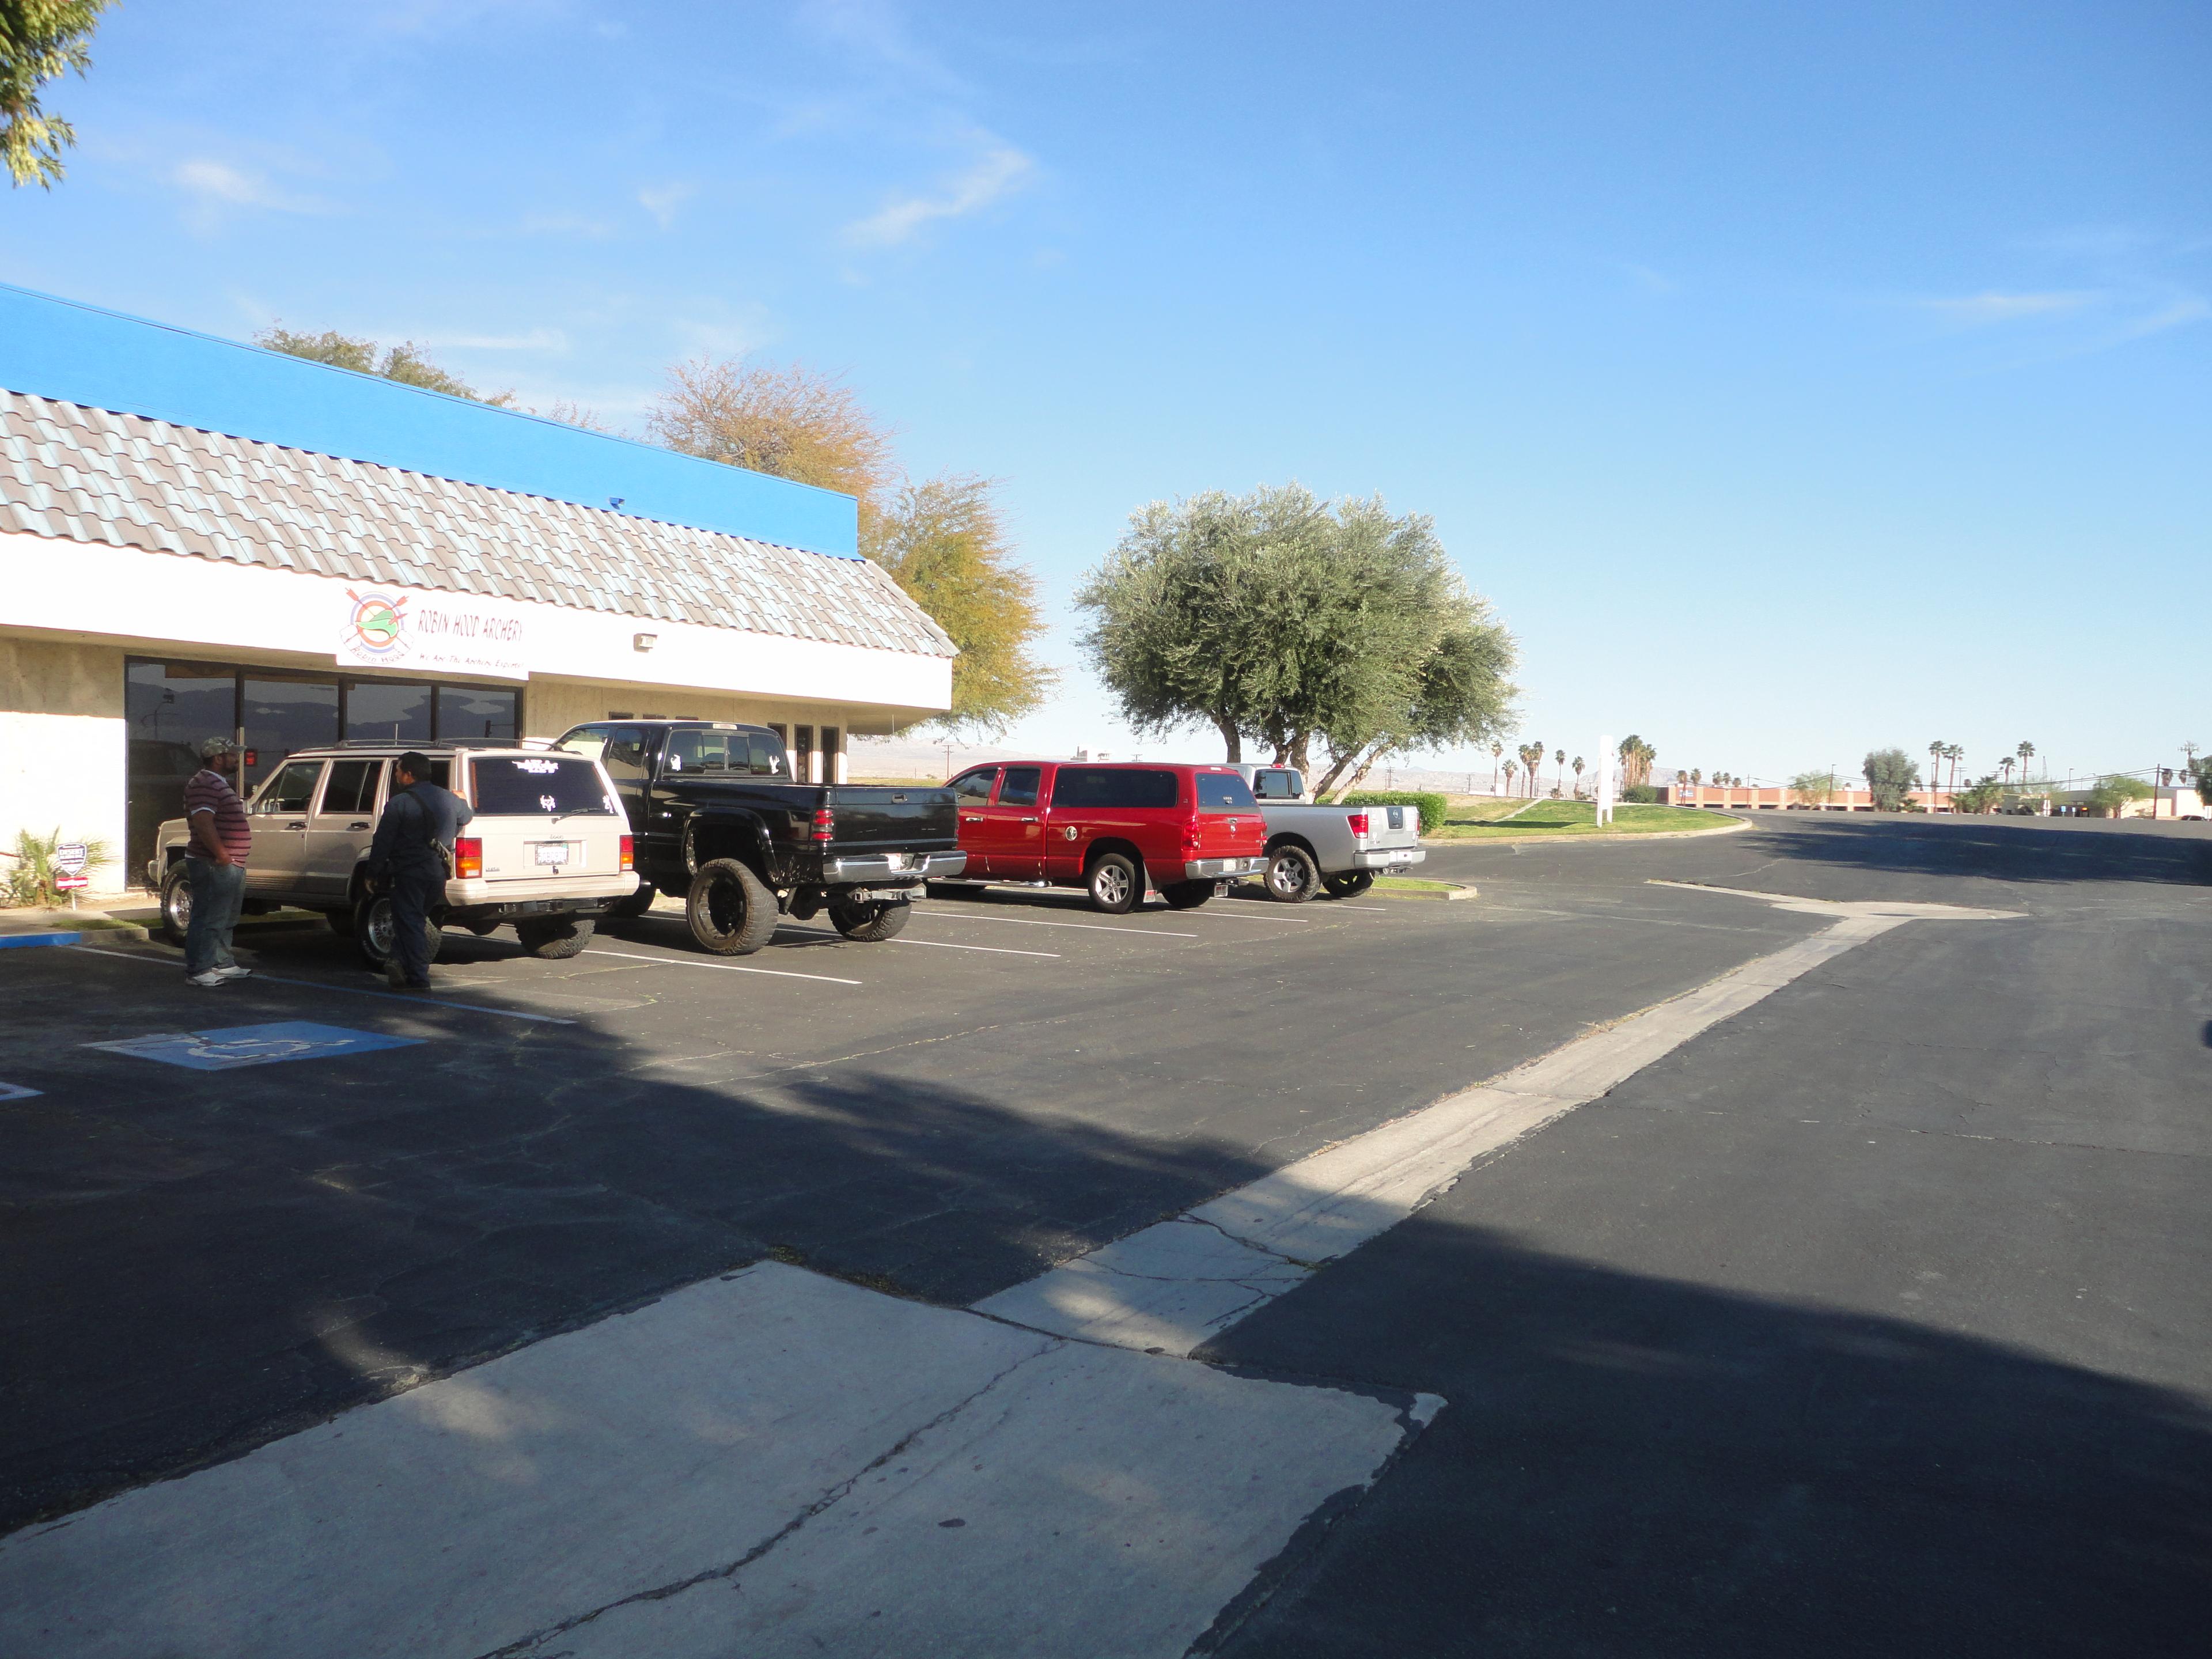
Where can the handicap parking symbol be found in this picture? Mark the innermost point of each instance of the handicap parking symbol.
(251, 1045)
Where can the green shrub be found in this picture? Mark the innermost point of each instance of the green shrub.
(1639, 794)
(29, 870)
(1432, 805)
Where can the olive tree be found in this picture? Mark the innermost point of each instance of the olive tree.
(1891, 775)
(1297, 623)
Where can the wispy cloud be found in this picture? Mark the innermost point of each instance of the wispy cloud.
(661, 201)
(537, 339)
(1001, 172)
(2180, 313)
(217, 184)
(1999, 307)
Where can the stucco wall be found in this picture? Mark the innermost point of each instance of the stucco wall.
(61, 746)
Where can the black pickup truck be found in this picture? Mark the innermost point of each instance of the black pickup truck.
(716, 817)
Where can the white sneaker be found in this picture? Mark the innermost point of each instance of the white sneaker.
(212, 977)
(232, 972)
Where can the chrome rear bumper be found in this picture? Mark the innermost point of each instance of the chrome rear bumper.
(1218, 869)
(880, 867)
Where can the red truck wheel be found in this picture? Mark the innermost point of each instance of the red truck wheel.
(1114, 884)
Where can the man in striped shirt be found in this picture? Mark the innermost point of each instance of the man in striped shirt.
(215, 868)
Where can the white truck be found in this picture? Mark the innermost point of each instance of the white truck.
(1338, 849)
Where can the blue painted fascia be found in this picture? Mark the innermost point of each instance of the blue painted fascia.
(80, 354)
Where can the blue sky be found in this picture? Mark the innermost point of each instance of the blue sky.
(1795, 380)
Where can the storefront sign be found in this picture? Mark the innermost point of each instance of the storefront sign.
(70, 858)
(419, 630)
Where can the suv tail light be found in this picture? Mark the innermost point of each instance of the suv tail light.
(1358, 821)
(629, 854)
(1192, 836)
(468, 857)
(825, 824)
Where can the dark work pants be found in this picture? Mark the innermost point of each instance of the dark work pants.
(415, 889)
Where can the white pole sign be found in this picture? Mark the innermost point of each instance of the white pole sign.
(69, 857)
(1605, 759)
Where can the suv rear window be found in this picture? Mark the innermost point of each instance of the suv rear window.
(1223, 792)
(524, 786)
(1120, 786)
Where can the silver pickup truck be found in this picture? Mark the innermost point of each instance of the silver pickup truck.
(1337, 849)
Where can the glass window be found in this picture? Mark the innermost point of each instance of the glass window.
(585, 740)
(802, 753)
(387, 712)
(1223, 791)
(524, 786)
(975, 786)
(623, 754)
(169, 707)
(768, 759)
(830, 741)
(1117, 786)
(705, 752)
(477, 711)
(1019, 785)
(1275, 784)
(282, 714)
(291, 789)
(351, 786)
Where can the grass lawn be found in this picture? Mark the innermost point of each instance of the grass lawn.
(1478, 820)
(1411, 885)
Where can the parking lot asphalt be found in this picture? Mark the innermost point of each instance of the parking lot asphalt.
(198, 1260)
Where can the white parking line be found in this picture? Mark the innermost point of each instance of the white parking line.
(1025, 921)
(261, 978)
(727, 967)
(991, 950)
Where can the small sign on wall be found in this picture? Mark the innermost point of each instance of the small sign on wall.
(419, 629)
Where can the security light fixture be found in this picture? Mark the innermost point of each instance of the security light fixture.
(645, 641)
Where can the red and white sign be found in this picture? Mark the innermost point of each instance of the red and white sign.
(72, 881)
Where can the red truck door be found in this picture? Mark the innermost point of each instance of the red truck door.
(1009, 832)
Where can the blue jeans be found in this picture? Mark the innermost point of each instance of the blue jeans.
(217, 890)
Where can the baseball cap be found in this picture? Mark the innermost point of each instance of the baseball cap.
(215, 748)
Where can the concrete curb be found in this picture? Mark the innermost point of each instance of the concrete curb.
(1555, 840)
(1451, 895)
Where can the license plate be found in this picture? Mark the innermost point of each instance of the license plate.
(553, 852)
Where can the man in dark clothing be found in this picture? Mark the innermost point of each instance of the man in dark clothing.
(414, 841)
(215, 867)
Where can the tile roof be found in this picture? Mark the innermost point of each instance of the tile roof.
(88, 475)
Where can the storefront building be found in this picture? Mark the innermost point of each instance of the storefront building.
(198, 538)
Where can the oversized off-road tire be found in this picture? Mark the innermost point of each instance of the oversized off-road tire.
(731, 910)
(1291, 876)
(372, 930)
(176, 904)
(1348, 883)
(632, 905)
(1114, 882)
(869, 923)
(1186, 894)
(555, 938)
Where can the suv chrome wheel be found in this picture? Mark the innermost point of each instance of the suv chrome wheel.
(1115, 884)
(176, 903)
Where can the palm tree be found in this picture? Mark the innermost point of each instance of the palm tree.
(1496, 750)
(1509, 773)
(2026, 752)
(1936, 751)
(1578, 777)
(1954, 753)
(2006, 765)
(1560, 760)
(1696, 777)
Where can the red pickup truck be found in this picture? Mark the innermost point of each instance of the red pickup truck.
(1114, 829)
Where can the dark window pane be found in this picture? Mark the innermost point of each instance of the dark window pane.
(1019, 785)
(530, 785)
(351, 786)
(769, 760)
(704, 752)
(386, 711)
(475, 711)
(1223, 792)
(169, 707)
(975, 786)
(284, 714)
(1116, 787)
(624, 754)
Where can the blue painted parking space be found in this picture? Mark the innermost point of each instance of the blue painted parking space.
(252, 1045)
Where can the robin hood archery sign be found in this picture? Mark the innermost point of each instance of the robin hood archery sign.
(420, 630)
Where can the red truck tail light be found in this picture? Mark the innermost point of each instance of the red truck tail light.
(629, 852)
(468, 857)
(1193, 838)
(1358, 821)
(825, 824)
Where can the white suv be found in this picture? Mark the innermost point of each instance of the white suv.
(548, 849)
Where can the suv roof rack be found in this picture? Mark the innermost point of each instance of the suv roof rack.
(426, 745)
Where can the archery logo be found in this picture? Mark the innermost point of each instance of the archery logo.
(375, 628)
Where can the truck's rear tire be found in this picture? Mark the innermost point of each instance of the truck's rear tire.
(1291, 876)
(176, 904)
(1115, 882)
(869, 923)
(731, 910)
(554, 938)
(1348, 883)
(1186, 894)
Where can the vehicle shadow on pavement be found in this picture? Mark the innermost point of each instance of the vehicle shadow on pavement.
(1631, 1466)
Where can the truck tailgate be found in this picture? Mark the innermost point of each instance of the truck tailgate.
(871, 818)
(1390, 826)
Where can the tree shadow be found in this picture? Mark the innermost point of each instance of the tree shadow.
(1999, 849)
(1632, 1465)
